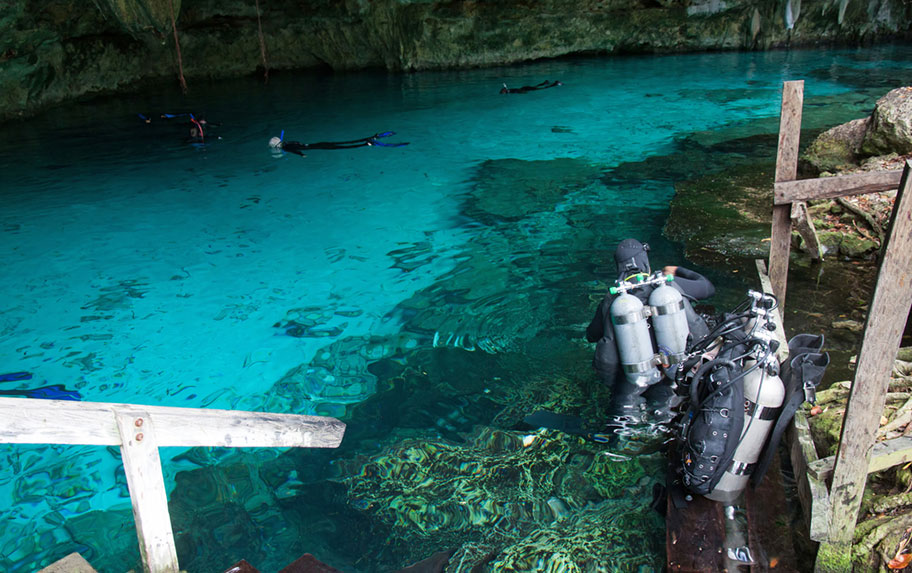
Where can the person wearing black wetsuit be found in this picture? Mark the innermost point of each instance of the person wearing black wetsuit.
(627, 399)
(544, 85)
(298, 148)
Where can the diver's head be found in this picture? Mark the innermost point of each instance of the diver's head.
(275, 142)
(631, 258)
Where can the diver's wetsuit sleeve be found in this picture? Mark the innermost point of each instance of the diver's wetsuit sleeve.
(606, 360)
(693, 284)
(596, 328)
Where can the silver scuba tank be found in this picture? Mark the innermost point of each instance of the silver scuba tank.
(670, 323)
(764, 394)
(628, 315)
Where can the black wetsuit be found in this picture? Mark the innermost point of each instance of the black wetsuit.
(299, 148)
(544, 85)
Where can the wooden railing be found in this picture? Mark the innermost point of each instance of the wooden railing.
(140, 431)
(834, 511)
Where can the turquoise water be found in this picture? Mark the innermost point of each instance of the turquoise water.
(426, 292)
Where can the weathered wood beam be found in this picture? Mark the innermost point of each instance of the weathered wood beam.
(785, 192)
(884, 455)
(887, 312)
(29, 421)
(786, 170)
(812, 492)
(142, 466)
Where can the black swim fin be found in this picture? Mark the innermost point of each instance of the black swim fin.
(566, 423)
(562, 422)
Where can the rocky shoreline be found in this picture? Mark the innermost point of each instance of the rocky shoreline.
(57, 50)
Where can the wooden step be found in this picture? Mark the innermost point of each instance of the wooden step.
(72, 563)
(695, 532)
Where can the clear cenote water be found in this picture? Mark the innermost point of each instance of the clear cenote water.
(428, 295)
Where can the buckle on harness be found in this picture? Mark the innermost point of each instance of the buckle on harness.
(740, 468)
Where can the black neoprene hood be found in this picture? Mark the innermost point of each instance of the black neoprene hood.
(630, 257)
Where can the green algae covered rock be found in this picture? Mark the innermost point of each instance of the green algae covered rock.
(835, 149)
(890, 130)
(887, 131)
(527, 498)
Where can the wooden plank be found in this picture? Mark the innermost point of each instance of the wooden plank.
(786, 170)
(72, 563)
(812, 492)
(695, 536)
(769, 528)
(785, 192)
(884, 455)
(892, 298)
(29, 421)
(142, 466)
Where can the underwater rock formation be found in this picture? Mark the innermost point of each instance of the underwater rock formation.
(56, 50)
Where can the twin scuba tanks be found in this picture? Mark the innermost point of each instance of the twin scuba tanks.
(720, 446)
(630, 318)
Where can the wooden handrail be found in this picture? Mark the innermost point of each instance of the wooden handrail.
(28, 421)
(140, 431)
(785, 192)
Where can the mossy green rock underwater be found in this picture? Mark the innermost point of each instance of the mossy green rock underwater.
(534, 501)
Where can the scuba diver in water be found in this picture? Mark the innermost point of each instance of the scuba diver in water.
(525, 89)
(298, 148)
(198, 127)
(624, 352)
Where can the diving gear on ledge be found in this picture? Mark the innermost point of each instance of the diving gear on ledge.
(738, 405)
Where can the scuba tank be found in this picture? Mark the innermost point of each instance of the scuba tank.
(736, 399)
(764, 393)
(630, 318)
(628, 315)
(670, 323)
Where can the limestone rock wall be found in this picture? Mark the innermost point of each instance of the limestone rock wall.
(55, 50)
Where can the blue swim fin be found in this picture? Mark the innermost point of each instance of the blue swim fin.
(379, 144)
(54, 392)
(13, 376)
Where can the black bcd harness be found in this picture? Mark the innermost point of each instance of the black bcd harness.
(712, 381)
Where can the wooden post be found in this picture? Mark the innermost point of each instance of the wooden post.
(786, 170)
(887, 314)
(142, 466)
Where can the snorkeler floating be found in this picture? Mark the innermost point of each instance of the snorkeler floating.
(298, 148)
(197, 125)
(544, 85)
